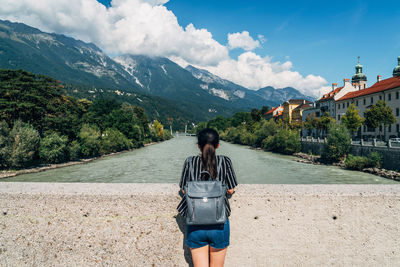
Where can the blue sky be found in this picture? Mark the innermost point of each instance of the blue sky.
(319, 37)
(307, 45)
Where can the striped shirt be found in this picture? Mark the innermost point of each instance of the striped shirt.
(227, 175)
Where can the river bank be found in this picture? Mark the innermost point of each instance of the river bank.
(91, 224)
(13, 173)
(316, 159)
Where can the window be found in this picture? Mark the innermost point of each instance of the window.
(347, 104)
(380, 97)
(343, 105)
(372, 100)
(365, 128)
(380, 128)
(397, 111)
(398, 128)
(338, 106)
(389, 97)
(338, 117)
(364, 101)
(389, 128)
(397, 95)
(357, 103)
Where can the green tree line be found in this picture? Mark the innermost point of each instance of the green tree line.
(40, 123)
(250, 128)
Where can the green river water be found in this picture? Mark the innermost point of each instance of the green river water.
(163, 162)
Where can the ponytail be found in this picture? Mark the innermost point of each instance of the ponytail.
(209, 161)
(208, 140)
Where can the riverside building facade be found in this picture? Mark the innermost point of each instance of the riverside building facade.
(387, 90)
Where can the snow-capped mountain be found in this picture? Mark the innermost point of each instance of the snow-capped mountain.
(76, 62)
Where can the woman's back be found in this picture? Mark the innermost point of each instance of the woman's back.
(208, 243)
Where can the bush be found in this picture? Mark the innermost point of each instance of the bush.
(356, 162)
(90, 140)
(285, 141)
(5, 144)
(74, 150)
(25, 142)
(267, 128)
(338, 142)
(53, 148)
(113, 140)
(374, 160)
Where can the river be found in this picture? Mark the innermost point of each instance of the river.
(163, 162)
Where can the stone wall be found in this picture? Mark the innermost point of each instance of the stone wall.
(391, 156)
(315, 148)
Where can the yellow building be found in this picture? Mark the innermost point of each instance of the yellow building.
(290, 111)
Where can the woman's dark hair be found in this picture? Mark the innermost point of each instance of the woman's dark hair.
(208, 140)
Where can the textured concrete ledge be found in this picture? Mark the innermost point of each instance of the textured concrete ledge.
(93, 224)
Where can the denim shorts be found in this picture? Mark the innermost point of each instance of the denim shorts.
(217, 236)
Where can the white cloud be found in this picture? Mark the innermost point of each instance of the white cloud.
(252, 71)
(129, 26)
(148, 27)
(242, 40)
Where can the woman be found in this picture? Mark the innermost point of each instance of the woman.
(208, 243)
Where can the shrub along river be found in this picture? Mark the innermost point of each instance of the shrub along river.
(163, 162)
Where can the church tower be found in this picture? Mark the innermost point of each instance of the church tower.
(359, 80)
(396, 70)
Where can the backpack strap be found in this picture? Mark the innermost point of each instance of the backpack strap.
(191, 169)
(219, 168)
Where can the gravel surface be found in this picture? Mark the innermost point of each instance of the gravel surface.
(93, 224)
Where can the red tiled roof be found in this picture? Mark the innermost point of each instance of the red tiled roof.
(377, 87)
(279, 114)
(303, 106)
(271, 110)
(297, 101)
(331, 93)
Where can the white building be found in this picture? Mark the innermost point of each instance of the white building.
(387, 90)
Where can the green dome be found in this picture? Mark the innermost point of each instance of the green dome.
(359, 76)
(396, 70)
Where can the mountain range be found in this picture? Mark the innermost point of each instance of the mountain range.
(91, 72)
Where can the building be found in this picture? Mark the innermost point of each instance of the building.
(359, 80)
(327, 102)
(297, 113)
(289, 106)
(273, 112)
(312, 112)
(387, 90)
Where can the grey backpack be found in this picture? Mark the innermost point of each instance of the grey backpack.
(205, 199)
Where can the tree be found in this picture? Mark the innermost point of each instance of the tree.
(113, 140)
(25, 143)
(352, 119)
(379, 114)
(219, 123)
(5, 144)
(159, 129)
(240, 118)
(337, 143)
(311, 122)
(285, 141)
(324, 121)
(264, 110)
(256, 114)
(53, 148)
(90, 140)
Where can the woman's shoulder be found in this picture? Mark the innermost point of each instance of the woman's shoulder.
(191, 158)
(224, 157)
